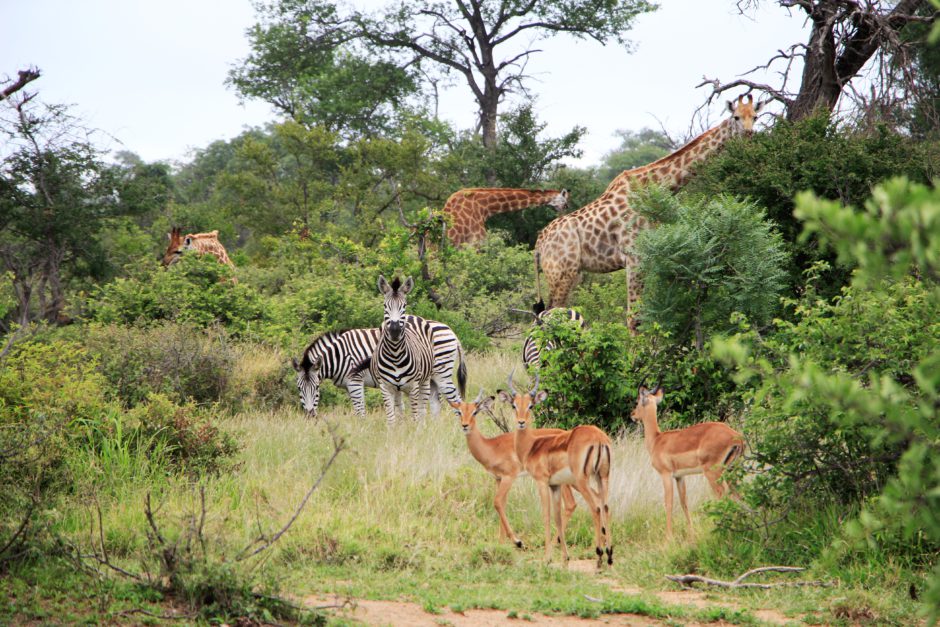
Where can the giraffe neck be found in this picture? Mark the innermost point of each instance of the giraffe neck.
(515, 199)
(672, 171)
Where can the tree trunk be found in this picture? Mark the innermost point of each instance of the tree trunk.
(820, 88)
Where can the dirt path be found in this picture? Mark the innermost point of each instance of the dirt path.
(406, 614)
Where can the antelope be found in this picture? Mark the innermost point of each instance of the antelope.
(707, 448)
(568, 458)
(498, 456)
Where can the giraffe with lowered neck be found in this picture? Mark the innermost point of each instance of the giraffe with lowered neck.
(469, 208)
(600, 236)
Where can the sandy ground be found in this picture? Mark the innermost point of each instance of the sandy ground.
(405, 614)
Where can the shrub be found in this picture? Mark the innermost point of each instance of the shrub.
(186, 434)
(176, 359)
(195, 290)
(705, 260)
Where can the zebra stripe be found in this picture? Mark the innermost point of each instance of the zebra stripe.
(343, 357)
(531, 356)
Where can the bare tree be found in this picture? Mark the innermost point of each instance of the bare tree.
(844, 36)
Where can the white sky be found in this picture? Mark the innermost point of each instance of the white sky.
(151, 72)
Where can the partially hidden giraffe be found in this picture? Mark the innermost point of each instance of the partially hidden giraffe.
(600, 236)
(469, 208)
(202, 243)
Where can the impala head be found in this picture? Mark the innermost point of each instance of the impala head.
(395, 294)
(560, 200)
(523, 402)
(646, 403)
(743, 114)
(175, 247)
(308, 382)
(467, 412)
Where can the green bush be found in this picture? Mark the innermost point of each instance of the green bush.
(705, 260)
(770, 168)
(186, 434)
(196, 290)
(592, 375)
(175, 359)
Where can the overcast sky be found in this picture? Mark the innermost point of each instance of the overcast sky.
(150, 73)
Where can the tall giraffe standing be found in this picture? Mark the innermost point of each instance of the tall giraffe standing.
(469, 208)
(600, 236)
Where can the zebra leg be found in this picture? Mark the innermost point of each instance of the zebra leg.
(435, 399)
(399, 401)
(419, 399)
(388, 400)
(356, 389)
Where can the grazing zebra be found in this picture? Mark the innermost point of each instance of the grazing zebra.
(404, 358)
(340, 355)
(531, 356)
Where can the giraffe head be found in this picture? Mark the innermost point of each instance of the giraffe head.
(743, 114)
(175, 248)
(395, 294)
(560, 200)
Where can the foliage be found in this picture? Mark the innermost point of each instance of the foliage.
(197, 290)
(847, 404)
(705, 260)
(175, 359)
(637, 148)
(185, 434)
(771, 167)
(592, 375)
(442, 36)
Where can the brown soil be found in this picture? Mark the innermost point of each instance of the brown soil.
(405, 614)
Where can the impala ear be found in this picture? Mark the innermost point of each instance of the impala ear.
(539, 396)
(658, 395)
(188, 241)
(503, 396)
(453, 404)
(486, 404)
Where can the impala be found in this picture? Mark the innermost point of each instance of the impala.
(498, 456)
(707, 448)
(568, 458)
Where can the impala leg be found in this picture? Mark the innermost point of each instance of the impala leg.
(594, 506)
(559, 522)
(545, 497)
(567, 495)
(667, 495)
(713, 475)
(503, 484)
(680, 486)
(604, 491)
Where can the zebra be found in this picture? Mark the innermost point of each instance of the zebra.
(404, 358)
(531, 355)
(340, 355)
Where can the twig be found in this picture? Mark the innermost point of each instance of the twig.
(25, 77)
(338, 445)
(686, 581)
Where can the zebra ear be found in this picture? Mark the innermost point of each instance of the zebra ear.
(384, 287)
(294, 363)
(407, 286)
(315, 362)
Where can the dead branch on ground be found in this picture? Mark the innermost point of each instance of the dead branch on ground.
(686, 581)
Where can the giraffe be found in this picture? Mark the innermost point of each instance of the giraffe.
(599, 237)
(202, 243)
(469, 208)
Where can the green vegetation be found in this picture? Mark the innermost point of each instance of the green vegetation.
(153, 461)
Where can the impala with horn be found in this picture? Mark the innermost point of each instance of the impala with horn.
(573, 458)
(498, 456)
(707, 448)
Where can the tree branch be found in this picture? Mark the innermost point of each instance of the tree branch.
(687, 580)
(25, 77)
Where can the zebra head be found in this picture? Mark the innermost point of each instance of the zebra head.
(393, 322)
(308, 382)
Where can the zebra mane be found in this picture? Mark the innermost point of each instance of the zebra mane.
(320, 338)
(396, 283)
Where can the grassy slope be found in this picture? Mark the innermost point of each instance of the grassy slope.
(407, 514)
